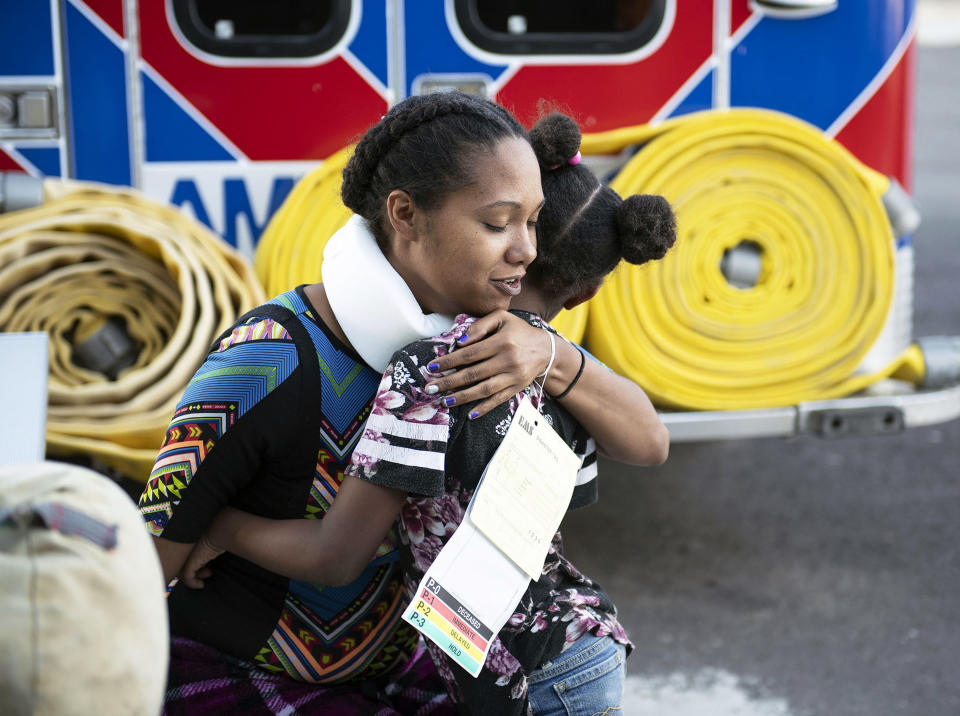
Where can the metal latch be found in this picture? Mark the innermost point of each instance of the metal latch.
(470, 83)
(28, 112)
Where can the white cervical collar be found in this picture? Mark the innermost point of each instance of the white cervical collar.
(372, 303)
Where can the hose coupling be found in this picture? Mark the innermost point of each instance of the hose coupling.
(19, 191)
(941, 357)
(109, 349)
(902, 210)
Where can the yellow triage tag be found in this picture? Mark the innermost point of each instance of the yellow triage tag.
(526, 490)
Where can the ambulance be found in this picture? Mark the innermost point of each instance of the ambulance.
(220, 106)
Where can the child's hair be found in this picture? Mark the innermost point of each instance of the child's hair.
(424, 145)
(585, 228)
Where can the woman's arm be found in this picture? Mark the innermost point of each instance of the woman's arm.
(332, 551)
(503, 350)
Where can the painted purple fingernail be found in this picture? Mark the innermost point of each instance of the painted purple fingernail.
(463, 338)
(473, 415)
(450, 400)
(433, 367)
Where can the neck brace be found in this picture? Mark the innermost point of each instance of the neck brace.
(372, 303)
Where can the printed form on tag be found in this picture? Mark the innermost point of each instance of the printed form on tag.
(466, 596)
(474, 584)
(526, 489)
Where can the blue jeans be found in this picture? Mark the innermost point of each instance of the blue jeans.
(585, 680)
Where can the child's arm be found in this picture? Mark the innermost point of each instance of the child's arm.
(332, 551)
(406, 424)
(614, 410)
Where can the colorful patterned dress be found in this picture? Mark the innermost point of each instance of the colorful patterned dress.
(260, 429)
(415, 443)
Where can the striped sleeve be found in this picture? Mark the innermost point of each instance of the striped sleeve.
(404, 442)
(585, 490)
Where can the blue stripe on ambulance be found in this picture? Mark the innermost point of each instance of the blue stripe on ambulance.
(698, 99)
(97, 106)
(814, 68)
(171, 134)
(370, 43)
(46, 159)
(26, 38)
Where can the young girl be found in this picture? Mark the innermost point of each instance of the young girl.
(565, 633)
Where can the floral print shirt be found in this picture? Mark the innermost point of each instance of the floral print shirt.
(413, 442)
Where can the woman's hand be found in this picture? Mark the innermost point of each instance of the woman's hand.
(503, 354)
(195, 569)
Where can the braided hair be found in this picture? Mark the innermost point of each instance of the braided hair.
(425, 146)
(585, 228)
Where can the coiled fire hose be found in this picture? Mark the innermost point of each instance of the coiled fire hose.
(291, 247)
(813, 215)
(132, 294)
(290, 250)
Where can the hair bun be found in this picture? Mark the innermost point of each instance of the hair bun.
(555, 139)
(647, 227)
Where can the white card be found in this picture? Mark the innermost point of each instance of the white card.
(24, 364)
(466, 597)
(526, 489)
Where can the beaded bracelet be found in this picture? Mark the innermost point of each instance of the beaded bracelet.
(583, 362)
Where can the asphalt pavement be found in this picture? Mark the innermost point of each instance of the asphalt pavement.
(803, 577)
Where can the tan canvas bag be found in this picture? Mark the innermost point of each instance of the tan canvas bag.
(83, 619)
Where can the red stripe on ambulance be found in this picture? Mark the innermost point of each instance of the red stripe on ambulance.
(270, 112)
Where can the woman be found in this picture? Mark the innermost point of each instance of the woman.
(417, 445)
(258, 428)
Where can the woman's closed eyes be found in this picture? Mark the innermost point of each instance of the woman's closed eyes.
(500, 229)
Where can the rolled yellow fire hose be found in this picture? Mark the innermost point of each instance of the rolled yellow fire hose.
(92, 255)
(290, 250)
(692, 339)
(291, 247)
